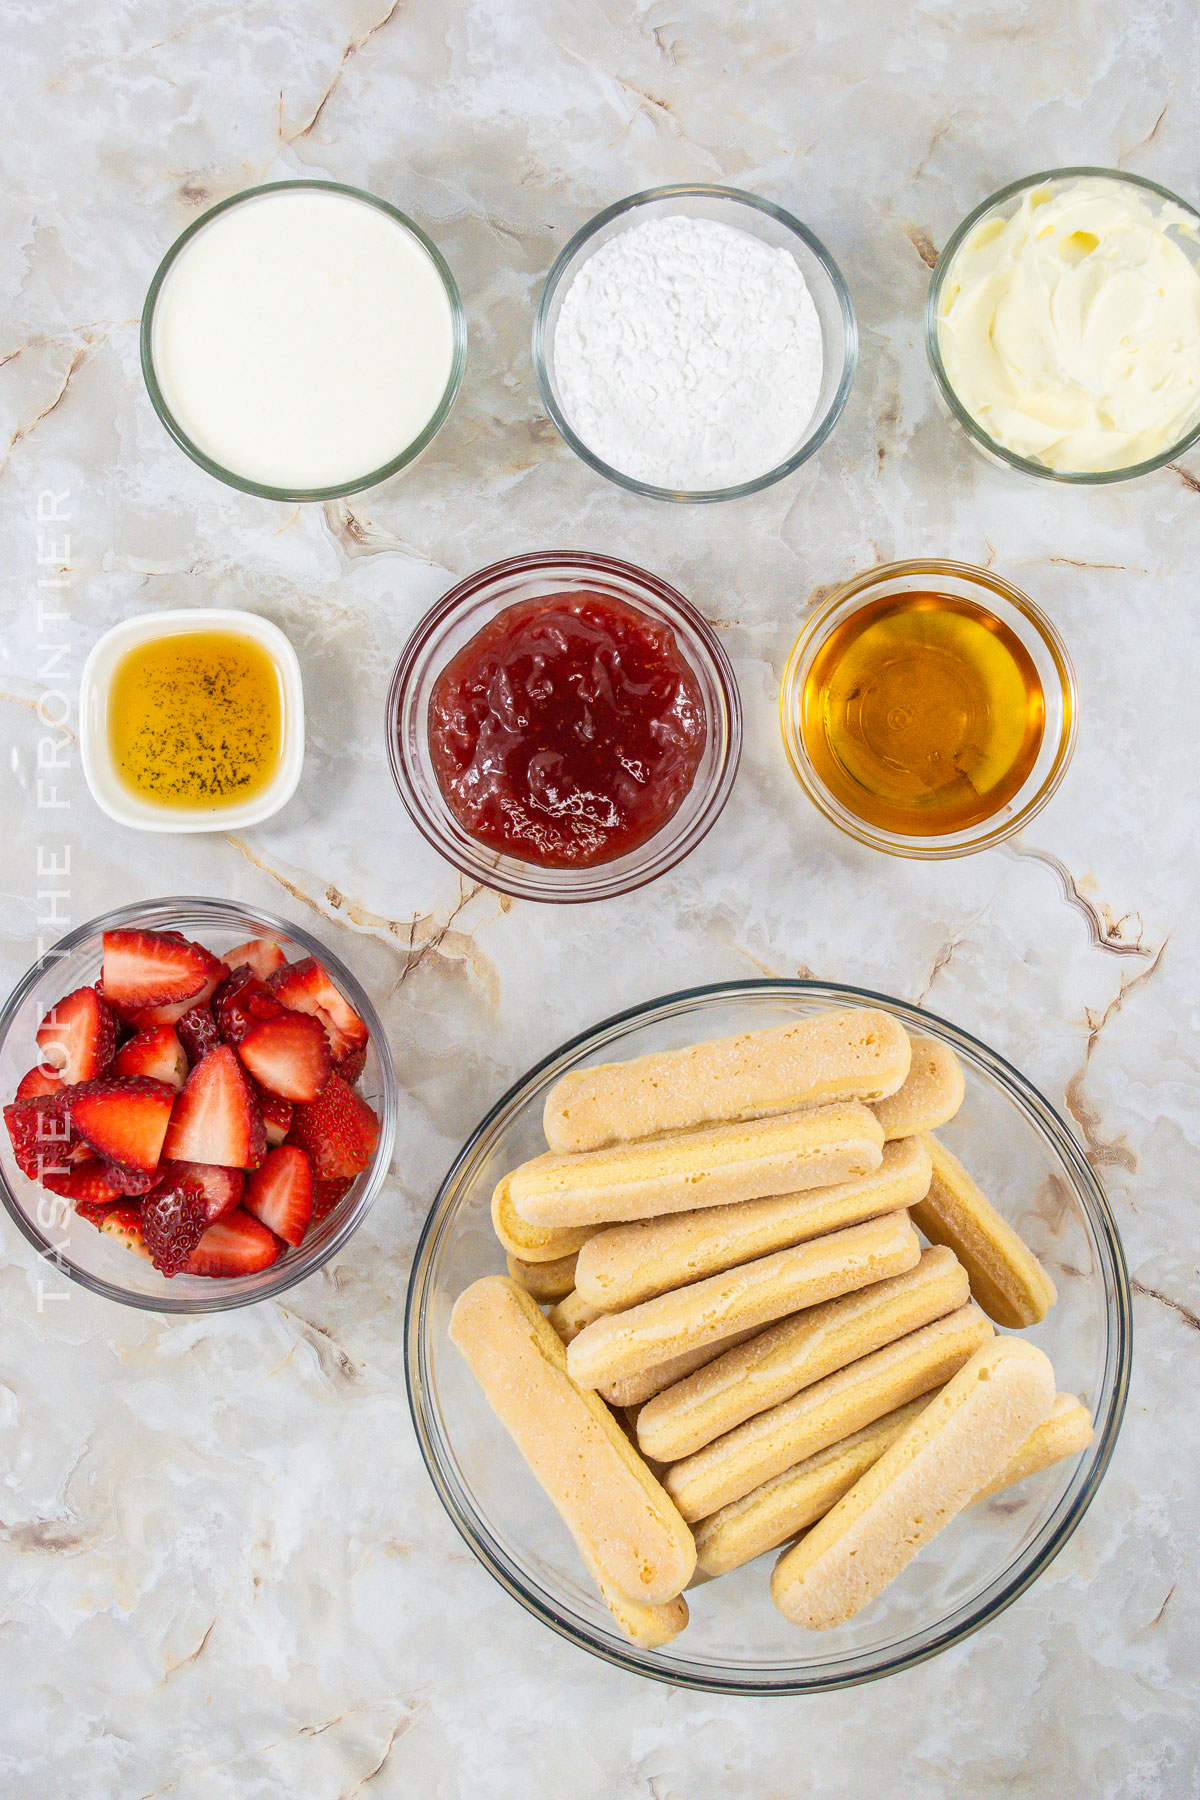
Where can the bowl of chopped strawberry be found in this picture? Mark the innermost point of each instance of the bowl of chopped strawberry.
(199, 1105)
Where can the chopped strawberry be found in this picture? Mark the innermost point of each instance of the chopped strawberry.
(351, 1067)
(171, 1012)
(240, 1002)
(215, 1118)
(221, 1188)
(152, 969)
(157, 1053)
(339, 1131)
(288, 1055)
(330, 1193)
(123, 1117)
(236, 1245)
(305, 987)
(123, 1221)
(262, 956)
(78, 1035)
(197, 1031)
(174, 1219)
(40, 1129)
(276, 1114)
(131, 1184)
(281, 1193)
(37, 1081)
(86, 1183)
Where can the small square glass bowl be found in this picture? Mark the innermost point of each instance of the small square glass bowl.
(76, 1250)
(1001, 205)
(1016, 1146)
(1028, 624)
(743, 212)
(113, 795)
(455, 620)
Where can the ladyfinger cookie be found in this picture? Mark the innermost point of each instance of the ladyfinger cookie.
(930, 1094)
(546, 1281)
(1066, 1432)
(1006, 1277)
(788, 1503)
(571, 1315)
(532, 1243)
(755, 1293)
(626, 1527)
(825, 1413)
(848, 1055)
(713, 1165)
(964, 1438)
(629, 1263)
(632, 1390)
(796, 1353)
(649, 1627)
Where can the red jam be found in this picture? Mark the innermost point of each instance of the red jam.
(567, 731)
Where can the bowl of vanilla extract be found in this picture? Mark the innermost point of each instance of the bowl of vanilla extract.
(929, 708)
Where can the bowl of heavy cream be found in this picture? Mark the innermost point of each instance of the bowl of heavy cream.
(1063, 325)
(303, 340)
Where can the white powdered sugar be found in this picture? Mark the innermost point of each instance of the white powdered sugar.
(689, 354)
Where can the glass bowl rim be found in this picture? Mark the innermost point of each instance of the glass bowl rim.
(1112, 1397)
(974, 430)
(704, 191)
(290, 1273)
(592, 884)
(338, 490)
(873, 836)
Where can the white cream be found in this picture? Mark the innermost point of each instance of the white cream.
(1071, 329)
(303, 339)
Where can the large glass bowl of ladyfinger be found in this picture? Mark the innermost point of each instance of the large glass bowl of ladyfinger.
(769, 1337)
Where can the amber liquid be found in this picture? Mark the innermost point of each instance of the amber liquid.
(923, 714)
(196, 719)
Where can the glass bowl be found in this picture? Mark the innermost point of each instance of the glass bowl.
(456, 618)
(744, 212)
(1001, 205)
(1036, 634)
(76, 1249)
(336, 490)
(1021, 1152)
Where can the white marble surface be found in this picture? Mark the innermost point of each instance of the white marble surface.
(222, 1569)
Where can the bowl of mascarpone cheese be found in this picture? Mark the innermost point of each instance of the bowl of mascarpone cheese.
(1063, 325)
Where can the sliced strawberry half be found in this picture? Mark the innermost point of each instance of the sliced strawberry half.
(288, 1055)
(339, 1131)
(305, 987)
(78, 1035)
(37, 1081)
(262, 956)
(151, 969)
(281, 1193)
(221, 1188)
(241, 1001)
(329, 1194)
(124, 1118)
(90, 1182)
(123, 1222)
(156, 1053)
(174, 1219)
(197, 1031)
(351, 1067)
(215, 1118)
(236, 1245)
(172, 1012)
(41, 1133)
(276, 1114)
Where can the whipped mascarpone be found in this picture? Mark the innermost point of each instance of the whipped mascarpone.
(1070, 330)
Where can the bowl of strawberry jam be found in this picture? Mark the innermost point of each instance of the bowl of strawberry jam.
(563, 726)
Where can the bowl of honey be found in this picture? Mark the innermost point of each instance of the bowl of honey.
(929, 708)
(192, 720)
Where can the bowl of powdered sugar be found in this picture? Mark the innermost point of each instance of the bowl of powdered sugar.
(694, 343)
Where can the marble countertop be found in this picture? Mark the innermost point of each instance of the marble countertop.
(223, 1571)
